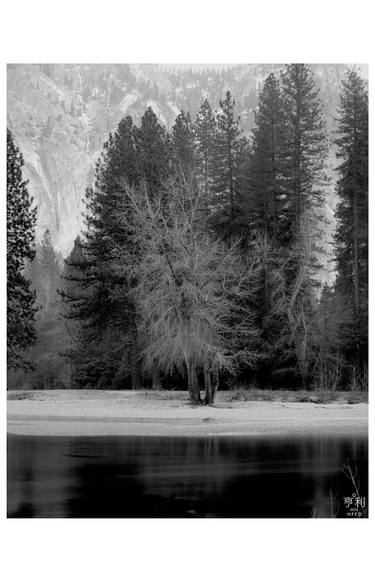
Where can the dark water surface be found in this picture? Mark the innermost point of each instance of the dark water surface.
(182, 477)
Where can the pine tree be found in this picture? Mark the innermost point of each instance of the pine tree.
(103, 306)
(351, 213)
(132, 156)
(263, 206)
(94, 356)
(304, 180)
(228, 148)
(266, 192)
(305, 144)
(154, 151)
(183, 146)
(118, 165)
(205, 131)
(74, 293)
(21, 219)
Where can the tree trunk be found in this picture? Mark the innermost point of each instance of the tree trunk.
(208, 386)
(211, 380)
(133, 352)
(193, 384)
(156, 383)
(215, 384)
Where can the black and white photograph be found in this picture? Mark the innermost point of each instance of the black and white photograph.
(187, 272)
(187, 290)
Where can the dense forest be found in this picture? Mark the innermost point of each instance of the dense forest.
(198, 266)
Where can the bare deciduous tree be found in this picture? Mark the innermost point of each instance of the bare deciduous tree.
(192, 291)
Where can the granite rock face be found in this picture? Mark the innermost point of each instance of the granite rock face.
(60, 115)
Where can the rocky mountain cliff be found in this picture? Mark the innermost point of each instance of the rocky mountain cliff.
(60, 115)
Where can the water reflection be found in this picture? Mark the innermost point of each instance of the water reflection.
(180, 477)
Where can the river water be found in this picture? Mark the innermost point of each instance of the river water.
(184, 477)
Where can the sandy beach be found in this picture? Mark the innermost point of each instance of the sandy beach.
(100, 412)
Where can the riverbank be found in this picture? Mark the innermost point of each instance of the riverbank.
(101, 412)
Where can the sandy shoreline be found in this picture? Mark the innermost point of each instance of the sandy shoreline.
(95, 412)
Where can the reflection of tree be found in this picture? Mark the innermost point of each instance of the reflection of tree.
(37, 476)
(180, 477)
(336, 483)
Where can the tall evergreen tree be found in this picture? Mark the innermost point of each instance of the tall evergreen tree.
(183, 146)
(263, 203)
(302, 181)
(266, 193)
(74, 291)
(228, 147)
(205, 131)
(104, 306)
(352, 211)
(21, 219)
(305, 144)
(154, 152)
(95, 354)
